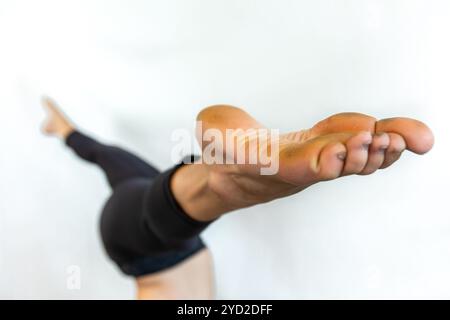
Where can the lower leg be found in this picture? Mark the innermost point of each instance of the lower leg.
(118, 164)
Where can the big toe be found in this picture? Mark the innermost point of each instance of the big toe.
(418, 136)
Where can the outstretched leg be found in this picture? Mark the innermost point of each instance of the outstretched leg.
(118, 164)
(128, 234)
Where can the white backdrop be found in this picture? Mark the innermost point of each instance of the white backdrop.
(130, 72)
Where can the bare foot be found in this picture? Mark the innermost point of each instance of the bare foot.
(341, 145)
(56, 124)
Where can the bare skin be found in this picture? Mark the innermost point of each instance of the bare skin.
(193, 279)
(341, 145)
(56, 124)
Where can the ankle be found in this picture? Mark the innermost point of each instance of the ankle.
(192, 188)
(65, 132)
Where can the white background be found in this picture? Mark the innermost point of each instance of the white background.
(131, 72)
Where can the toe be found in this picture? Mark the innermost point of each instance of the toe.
(357, 153)
(396, 146)
(317, 159)
(417, 136)
(331, 161)
(49, 104)
(377, 149)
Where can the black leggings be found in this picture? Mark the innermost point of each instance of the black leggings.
(143, 228)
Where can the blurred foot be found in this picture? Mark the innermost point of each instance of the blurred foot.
(56, 124)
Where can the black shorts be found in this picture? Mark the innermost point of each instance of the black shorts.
(143, 228)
